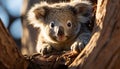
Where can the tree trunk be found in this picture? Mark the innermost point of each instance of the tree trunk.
(10, 57)
(103, 50)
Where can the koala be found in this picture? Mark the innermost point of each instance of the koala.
(62, 25)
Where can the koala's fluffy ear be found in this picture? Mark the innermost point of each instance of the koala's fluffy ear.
(83, 10)
(36, 14)
(40, 12)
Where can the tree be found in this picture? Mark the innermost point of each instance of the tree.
(10, 57)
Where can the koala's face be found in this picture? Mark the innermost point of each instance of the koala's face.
(59, 23)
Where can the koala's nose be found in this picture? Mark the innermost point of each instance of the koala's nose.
(60, 31)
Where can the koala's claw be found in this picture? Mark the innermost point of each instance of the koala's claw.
(77, 46)
(45, 49)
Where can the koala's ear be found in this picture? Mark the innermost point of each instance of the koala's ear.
(84, 9)
(40, 12)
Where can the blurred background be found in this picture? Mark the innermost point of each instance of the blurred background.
(10, 14)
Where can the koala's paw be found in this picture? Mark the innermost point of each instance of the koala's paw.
(45, 49)
(77, 46)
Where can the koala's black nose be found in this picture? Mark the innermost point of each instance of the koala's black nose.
(60, 31)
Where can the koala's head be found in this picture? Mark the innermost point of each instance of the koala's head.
(59, 22)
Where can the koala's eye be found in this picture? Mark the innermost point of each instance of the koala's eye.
(52, 24)
(69, 24)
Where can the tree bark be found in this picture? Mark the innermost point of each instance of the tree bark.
(103, 50)
(10, 57)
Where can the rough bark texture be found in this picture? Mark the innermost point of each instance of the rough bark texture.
(103, 50)
(10, 57)
(52, 61)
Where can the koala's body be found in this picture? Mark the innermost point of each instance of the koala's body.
(62, 25)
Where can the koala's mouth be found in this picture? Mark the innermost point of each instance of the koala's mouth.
(61, 38)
